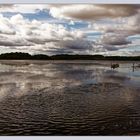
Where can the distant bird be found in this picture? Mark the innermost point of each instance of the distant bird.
(114, 66)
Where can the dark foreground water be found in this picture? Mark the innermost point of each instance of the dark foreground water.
(69, 98)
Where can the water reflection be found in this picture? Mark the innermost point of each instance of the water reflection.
(68, 98)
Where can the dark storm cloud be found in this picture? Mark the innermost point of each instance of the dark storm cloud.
(113, 48)
(114, 39)
(92, 12)
(77, 44)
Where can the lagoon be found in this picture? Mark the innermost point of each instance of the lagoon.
(69, 98)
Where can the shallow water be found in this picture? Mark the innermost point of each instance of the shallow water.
(69, 98)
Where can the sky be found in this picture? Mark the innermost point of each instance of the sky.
(70, 29)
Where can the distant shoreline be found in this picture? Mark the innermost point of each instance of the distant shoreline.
(26, 56)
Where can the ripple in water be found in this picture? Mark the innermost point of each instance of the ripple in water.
(68, 99)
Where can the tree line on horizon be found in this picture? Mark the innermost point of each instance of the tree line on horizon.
(27, 56)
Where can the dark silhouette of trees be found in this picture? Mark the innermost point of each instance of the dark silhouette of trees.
(26, 56)
(40, 57)
(15, 55)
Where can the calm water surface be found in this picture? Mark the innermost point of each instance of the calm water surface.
(69, 98)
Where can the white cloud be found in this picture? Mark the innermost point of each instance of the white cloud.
(22, 8)
(38, 36)
(114, 22)
(5, 26)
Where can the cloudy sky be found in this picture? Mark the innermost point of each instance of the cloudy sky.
(70, 29)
